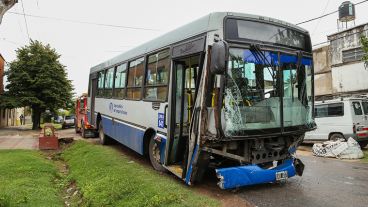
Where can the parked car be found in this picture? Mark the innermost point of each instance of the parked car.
(340, 119)
(68, 121)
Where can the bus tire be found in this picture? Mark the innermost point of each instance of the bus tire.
(154, 155)
(102, 136)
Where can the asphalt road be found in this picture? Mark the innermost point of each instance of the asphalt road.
(325, 182)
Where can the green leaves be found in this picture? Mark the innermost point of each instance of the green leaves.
(364, 41)
(37, 79)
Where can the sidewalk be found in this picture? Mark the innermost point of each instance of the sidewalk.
(19, 137)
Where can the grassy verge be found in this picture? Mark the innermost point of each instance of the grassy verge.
(26, 179)
(57, 126)
(365, 158)
(106, 178)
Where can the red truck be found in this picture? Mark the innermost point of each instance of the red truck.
(81, 119)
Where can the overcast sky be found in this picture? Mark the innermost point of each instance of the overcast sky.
(82, 45)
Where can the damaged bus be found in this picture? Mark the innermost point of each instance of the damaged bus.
(229, 92)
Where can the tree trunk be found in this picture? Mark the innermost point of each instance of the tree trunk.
(36, 117)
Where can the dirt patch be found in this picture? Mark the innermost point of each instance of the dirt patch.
(68, 188)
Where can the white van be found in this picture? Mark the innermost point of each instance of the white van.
(340, 119)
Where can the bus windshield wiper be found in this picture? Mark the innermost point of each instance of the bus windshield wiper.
(261, 58)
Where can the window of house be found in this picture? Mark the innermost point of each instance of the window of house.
(101, 83)
(157, 76)
(352, 55)
(120, 77)
(135, 79)
(109, 81)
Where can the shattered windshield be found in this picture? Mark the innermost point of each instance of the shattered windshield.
(254, 88)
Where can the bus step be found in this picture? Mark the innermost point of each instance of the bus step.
(176, 169)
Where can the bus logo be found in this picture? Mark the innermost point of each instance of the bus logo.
(111, 107)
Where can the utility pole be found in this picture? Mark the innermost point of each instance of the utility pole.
(5, 5)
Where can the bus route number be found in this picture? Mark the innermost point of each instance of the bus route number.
(161, 120)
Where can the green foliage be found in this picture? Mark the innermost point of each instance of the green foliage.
(26, 179)
(364, 41)
(37, 79)
(106, 178)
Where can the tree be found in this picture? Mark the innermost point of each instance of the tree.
(37, 79)
(364, 41)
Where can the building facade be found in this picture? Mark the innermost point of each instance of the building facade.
(8, 117)
(339, 69)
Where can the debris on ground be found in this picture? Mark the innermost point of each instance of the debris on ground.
(339, 149)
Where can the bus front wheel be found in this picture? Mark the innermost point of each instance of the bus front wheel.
(154, 155)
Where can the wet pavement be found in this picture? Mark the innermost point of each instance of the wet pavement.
(325, 182)
(21, 137)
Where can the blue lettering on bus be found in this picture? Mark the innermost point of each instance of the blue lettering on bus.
(161, 120)
(117, 108)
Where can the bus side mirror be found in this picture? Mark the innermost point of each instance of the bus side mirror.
(219, 57)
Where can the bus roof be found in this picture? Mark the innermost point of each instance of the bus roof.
(210, 22)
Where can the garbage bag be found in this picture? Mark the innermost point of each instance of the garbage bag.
(340, 149)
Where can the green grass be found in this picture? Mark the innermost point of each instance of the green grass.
(57, 126)
(26, 179)
(107, 178)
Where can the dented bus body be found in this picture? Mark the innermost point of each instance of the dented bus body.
(229, 92)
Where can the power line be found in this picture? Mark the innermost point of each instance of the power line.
(25, 20)
(325, 15)
(319, 21)
(84, 22)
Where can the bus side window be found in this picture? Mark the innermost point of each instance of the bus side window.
(101, 83)
(109, 78)
(157, 76)
(135, 79)
(120, 77)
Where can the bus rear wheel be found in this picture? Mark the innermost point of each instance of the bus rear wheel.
(154, 155)
(104, 140)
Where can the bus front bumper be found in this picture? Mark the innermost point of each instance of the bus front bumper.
(234, 177)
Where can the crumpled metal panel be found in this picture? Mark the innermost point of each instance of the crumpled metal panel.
(234, 177)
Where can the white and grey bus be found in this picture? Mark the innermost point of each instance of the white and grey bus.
(229, 92)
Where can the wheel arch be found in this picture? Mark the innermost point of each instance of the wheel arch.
(148, 134)
(98, 120)
(332, 133)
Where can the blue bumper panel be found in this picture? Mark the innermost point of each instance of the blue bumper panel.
(233, 177)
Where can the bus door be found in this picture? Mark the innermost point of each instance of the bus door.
(94, 82)
(186, 72)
